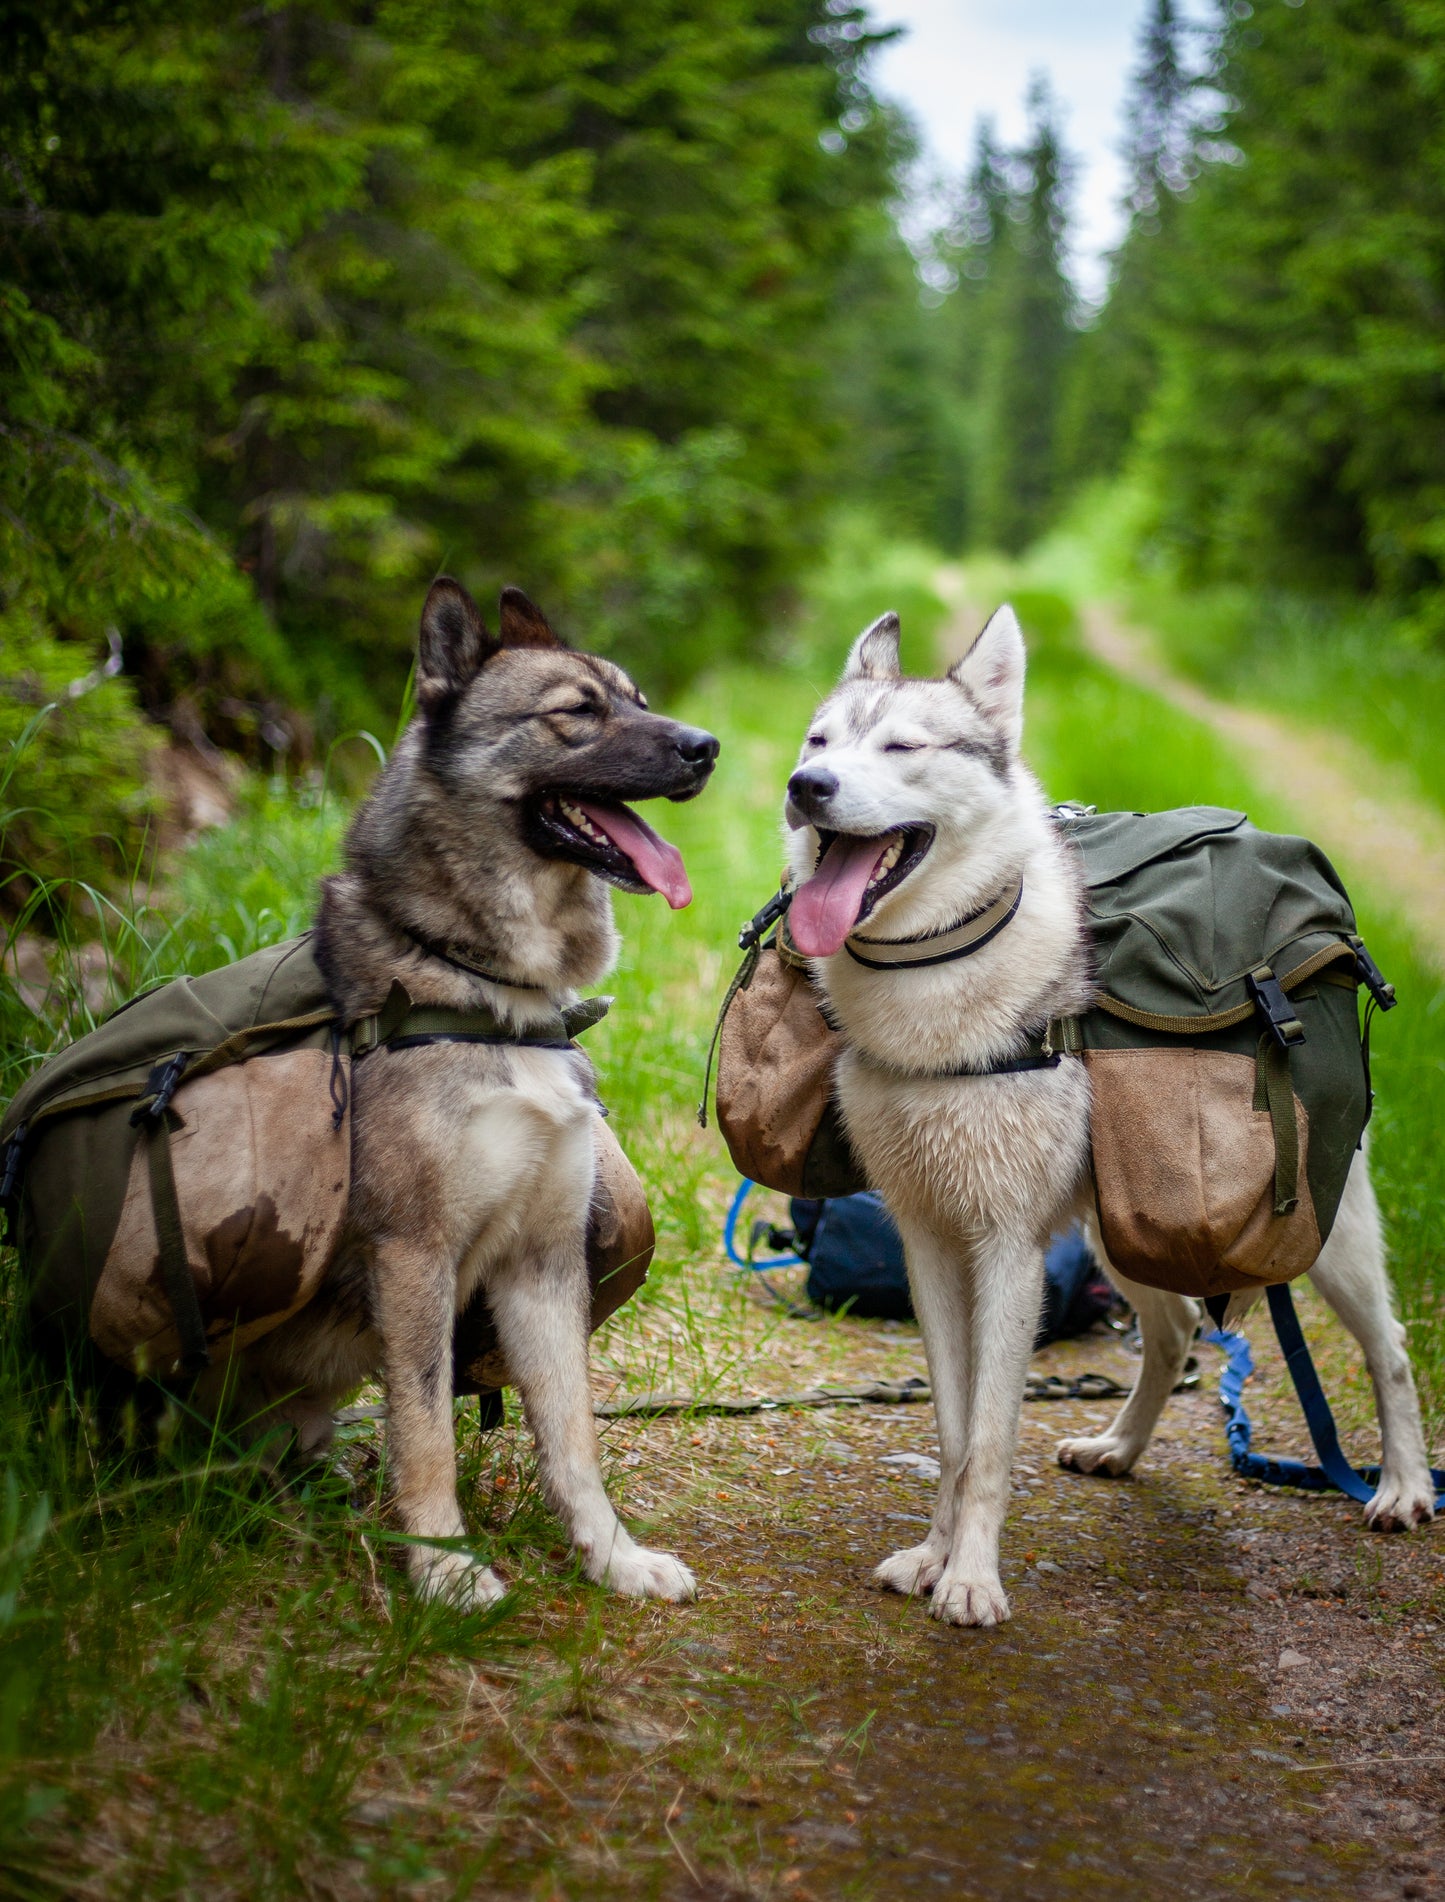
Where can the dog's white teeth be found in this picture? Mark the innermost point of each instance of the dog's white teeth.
(578, 820)
(885, 864)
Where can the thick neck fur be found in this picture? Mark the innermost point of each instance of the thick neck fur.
(974, 1010)
(416, 863)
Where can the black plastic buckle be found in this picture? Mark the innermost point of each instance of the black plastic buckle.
(160, 1088)
(1372, 977)
(1275, 1008)
(759, 923)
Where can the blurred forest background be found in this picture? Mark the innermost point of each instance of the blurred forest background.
(301, 303)
(646, 309)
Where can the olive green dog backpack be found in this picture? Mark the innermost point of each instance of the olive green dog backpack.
(177, 1181)
(1228, 1067)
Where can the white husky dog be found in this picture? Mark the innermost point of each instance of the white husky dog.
(912, 811)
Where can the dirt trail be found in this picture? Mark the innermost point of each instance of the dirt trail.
(1379, 834)
(1208, 1689)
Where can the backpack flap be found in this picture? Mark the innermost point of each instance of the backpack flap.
(1224, 1049)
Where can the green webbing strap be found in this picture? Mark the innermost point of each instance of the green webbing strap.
(585, 1014)
(401, 1025)
(171, 1244)
(1274, 1091)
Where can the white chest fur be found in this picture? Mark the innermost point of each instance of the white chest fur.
(520, 1164)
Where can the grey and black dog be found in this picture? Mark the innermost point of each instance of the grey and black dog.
(477, 875)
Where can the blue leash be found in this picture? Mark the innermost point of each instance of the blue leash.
(1334, 1471)
(730, 1230)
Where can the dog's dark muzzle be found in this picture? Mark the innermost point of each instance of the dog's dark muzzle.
(696, 752)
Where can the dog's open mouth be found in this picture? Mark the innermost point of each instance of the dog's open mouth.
(853, 874)
(610, 840)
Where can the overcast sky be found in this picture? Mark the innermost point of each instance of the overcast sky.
(963, 58)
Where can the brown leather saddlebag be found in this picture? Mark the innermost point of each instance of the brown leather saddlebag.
(1187, 1169)
(262, 1175)
(776, 1051)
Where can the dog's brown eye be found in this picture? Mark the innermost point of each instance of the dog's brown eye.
(904, 746)
(815, 739)
(582, 709)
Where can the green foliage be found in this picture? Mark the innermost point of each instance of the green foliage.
(952, 396)
(1115, 367)
(900, 392)
(1297, 432)
(298, 305)
(1026, 345)
(73, 748)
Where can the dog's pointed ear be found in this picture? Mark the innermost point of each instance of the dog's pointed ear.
(454, 643)
(523, 623)
(874, 655)
(992, 674)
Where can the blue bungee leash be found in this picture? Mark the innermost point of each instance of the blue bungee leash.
(1334, 1470)
(758, 1264)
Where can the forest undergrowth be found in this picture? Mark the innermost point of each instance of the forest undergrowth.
(204, 1671)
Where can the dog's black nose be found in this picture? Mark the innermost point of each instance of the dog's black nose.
(697, 747)
(812, 787)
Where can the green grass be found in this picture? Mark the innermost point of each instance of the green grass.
(202, 1667)
(1346, 664)
(207, 1677)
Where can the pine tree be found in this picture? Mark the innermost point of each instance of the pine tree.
(1298, 431)
(1026, 339)
(1116, 366)
(1158, 144)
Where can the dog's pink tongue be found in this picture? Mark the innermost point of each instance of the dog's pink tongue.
(657, 863)
(826, 909)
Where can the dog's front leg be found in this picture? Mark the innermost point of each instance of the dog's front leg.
(414, 1305)
(1005, 1286)
(540, 1306)
(940, 1299)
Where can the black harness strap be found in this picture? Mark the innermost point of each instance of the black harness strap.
(157, 1119)
(461, 959)
(1044, 1050)
(402, 1025)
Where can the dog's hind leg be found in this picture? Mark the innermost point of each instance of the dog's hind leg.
(936, 1277)
(539, 1303)
(1350, 1274)
(1005, 1282)
(414, 1299)
(1166, 1327)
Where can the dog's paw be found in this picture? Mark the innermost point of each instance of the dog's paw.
(916, 1569)
(643, 1574)
(458, 1579)
(1400, 1505)
(970, 1601)
(1104, 1455)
